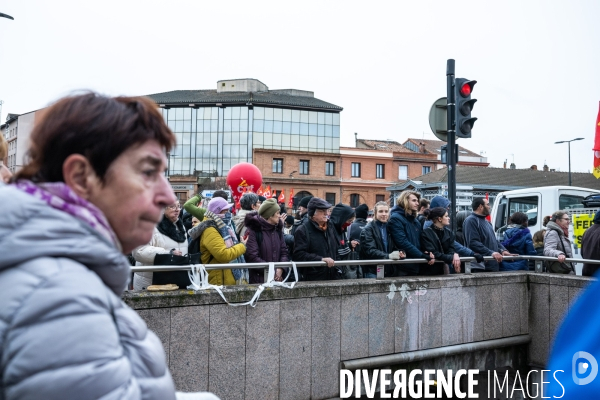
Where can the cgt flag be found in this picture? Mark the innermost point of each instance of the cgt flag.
(597, 148)
(281, 198)
(291, 202)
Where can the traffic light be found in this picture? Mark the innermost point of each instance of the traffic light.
(464, 104)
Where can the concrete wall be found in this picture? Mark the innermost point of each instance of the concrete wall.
(290, 345)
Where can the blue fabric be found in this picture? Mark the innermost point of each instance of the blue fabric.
(462, 250)
(383, 230)
(518, 240)
(578, 332)
(439, 201)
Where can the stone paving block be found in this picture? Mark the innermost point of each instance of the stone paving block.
(159, 322)
(511, 310)
(492, 310)
(524, 295)
(406, 325)
(326, 331)
(381, 324)
(295, 349)
(227, 351)
(262, 351)
(188, 352)
(355, 326)
(559, 304)
(430, 319)
(539, 325)
(473, 312)
(453, 315)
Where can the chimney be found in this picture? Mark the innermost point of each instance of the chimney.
(534, 167)
(545, 168)
(513, 166)
(355, 139)
(504, 164)
(421, 147)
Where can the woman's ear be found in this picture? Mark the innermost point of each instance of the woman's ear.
(79, 175)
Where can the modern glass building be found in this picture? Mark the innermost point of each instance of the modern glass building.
(217, 129)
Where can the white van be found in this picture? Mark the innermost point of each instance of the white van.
(539, 202)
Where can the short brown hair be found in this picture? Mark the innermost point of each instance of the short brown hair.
(403, 200)
(98, 127)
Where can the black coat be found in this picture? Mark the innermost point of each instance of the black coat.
(590, 249)
(442, 249)
(372, 248)
(406, 233)
(311, 243)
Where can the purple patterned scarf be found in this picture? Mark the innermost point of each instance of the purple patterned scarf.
(60, 196)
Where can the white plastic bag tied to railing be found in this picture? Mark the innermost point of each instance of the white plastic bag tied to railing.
(199, 281)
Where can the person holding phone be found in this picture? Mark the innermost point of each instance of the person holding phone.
(265, 241)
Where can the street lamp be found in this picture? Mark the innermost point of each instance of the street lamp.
(569, 143)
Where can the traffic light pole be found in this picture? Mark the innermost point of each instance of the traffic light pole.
(450, 153)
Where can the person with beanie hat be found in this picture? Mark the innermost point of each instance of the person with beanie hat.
(354, 230)
(590, 246)
(316, 240)
(303, 210)
(265, 240)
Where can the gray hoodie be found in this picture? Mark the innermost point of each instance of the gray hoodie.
(64, 331)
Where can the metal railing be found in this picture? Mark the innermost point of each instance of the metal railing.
(304, 264)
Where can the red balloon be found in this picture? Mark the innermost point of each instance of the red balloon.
(243, 177)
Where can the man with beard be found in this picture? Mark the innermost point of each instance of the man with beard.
(481, 238)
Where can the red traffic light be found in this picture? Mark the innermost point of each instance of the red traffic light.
(465, 90)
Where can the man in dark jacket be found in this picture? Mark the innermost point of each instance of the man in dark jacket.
(377, 243)
(481, 238)
(316, 240)
(590, 246)
(303, 212)
(354, 230)
(342, 216)
(406, 232)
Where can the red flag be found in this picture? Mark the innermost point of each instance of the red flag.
(281, 198)
(597, 148)
(291, 202)
(487, 197)
(260, 191)
(273, 195)
(237, 204)
(267, 192)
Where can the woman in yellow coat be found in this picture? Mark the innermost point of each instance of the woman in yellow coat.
(218, 243)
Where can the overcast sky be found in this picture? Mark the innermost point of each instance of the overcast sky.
(537, 63)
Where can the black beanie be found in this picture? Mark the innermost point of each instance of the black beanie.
(304, 201)
(362, 211)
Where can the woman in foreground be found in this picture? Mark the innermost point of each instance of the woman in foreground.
(93, 189)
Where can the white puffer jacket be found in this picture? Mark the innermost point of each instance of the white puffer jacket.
(144, 255)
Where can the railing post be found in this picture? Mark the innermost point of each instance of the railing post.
(380, 271)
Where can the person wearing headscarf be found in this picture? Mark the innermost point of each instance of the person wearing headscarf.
(218, 242)
(169, 238)
(265, 240)
(590, 246)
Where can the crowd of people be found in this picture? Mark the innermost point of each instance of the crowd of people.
(414, 229)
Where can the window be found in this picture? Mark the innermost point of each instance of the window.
(379, 171)
(329, 168)
(425, 170)
(403, 172)
(330, 198)
(304, 166)
(379, 197)
(278, 165)
(354, 200)
(355, 170)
